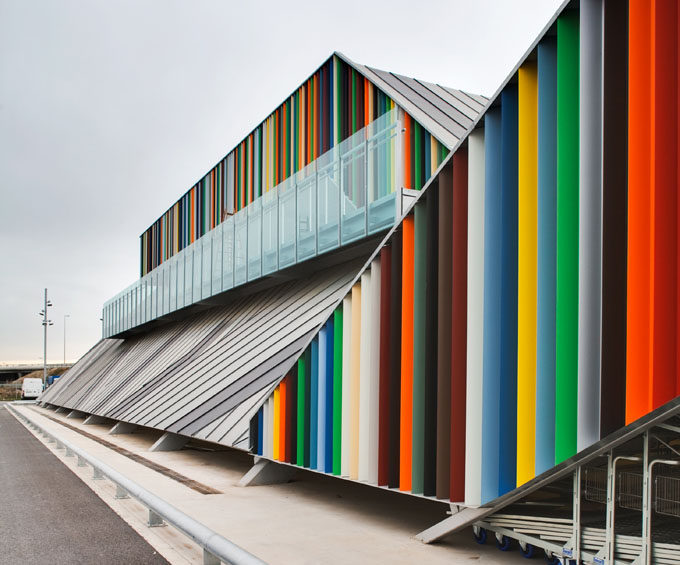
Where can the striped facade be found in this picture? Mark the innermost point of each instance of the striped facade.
(334, 103)
(527, 305)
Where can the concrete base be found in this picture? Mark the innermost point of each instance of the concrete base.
(123, 428)
(76, 414)
(169, 442)
(92, 419)
(265, 472)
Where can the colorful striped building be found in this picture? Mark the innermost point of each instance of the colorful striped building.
(522, 310)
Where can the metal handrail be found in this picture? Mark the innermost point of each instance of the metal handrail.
(216, 546)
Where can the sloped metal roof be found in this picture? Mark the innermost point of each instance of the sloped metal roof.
(205, 376)
(445, 112)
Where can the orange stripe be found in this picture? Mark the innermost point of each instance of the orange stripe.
(367, 113)
(406, 412)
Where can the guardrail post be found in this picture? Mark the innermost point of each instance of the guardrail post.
(155, 521)
(210, 559)
(97, 475)
(81, 462)
(121, 493)
(69, 453)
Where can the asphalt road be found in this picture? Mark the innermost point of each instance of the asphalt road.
(47, 514)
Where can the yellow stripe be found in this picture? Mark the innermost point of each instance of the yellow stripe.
(527, 272)
(277, 407)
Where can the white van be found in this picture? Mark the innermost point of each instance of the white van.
(32, 388)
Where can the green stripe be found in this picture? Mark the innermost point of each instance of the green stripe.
(337, 390)
(566, 351)
(419, 293)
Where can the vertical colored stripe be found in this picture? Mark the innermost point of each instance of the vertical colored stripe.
(546, 255)
(566, 352)
(406, 416)
(355, 376)
(527, 270)
(338, 333)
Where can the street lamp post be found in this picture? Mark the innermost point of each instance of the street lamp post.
(65, 316)
(45, 323)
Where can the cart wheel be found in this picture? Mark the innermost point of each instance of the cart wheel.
(550, 559)
(503, 542)
(527, 550)
(479, 534)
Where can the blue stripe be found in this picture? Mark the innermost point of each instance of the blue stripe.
(508, 366)
(547, 248)
(314, 404)
(492, 305)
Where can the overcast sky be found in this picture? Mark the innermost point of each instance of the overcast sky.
(111, 110)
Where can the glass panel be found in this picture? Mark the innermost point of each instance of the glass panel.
(135, 307)
(270, 243)
(206, 274)
(180, 279)
(228, 253)
(306, 218)
(287, 254)
(353, 201)
(154, 295)
(188, 276)
(328, 213)
(381, 172)
(240, 246)
(254, 239)
(173, 285)
(141, 296)
(217, 260)
(198, 262)
(164, 283)
(149, 297)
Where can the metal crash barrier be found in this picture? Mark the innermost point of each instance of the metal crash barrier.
(216, 549)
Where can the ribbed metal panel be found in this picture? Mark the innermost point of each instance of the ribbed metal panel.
(204, 376)
(446, 113)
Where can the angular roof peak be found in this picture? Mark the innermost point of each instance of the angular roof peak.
(447, 113)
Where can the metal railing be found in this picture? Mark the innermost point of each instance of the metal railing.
(216, 548)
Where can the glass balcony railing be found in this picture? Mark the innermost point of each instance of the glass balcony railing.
(346, 194)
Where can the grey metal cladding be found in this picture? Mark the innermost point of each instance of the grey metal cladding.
(481, 100)
(469, 108)
(440, 110)
(290, 314)
(159, 380)
(206, 375)
(228, 398)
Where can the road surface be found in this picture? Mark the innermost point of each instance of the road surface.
(48, 515)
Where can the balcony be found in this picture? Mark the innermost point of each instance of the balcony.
(347, 194)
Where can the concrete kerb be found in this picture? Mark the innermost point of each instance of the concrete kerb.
(215, 547)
